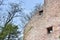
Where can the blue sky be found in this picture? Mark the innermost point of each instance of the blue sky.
(29, 4)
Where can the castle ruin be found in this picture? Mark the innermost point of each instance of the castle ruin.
(45, 24)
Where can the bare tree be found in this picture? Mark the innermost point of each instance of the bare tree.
(15, 8)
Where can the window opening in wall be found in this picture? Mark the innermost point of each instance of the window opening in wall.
(49, 29)
(40, 12)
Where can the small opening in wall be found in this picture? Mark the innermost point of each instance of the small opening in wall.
(49, 29)
(40, 12)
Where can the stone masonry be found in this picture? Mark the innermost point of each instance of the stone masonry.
(47, 26)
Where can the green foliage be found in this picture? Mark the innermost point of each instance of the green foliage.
(7, 30)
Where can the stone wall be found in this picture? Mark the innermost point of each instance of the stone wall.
(36, 29)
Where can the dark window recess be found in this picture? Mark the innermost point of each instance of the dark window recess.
(49, 29)
(40, 12)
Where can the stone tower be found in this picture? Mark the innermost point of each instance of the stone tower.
(45, 24)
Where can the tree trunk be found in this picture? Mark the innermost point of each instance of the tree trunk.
(9, 37)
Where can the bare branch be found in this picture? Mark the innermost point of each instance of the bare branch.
(11, 14)
(1, 1)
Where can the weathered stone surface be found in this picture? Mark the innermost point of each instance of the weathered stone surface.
(39, 24)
